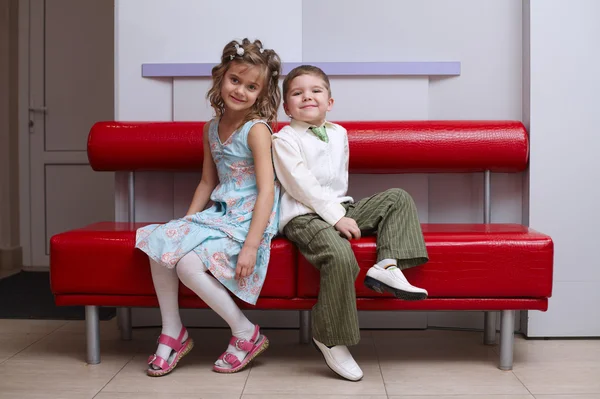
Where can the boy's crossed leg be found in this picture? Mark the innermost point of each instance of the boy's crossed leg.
(392, 215)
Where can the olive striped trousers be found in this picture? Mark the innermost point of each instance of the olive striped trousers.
(393, 217)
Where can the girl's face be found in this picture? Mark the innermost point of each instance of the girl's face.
(241, 86)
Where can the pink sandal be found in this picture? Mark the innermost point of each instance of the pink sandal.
(257, 345)
(181, 349)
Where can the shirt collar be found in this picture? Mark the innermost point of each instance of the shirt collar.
(302, 127)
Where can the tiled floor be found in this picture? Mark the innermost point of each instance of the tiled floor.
(45, 359)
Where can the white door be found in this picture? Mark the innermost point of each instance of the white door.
(71, 86)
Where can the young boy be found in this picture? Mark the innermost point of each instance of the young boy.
(311, 161)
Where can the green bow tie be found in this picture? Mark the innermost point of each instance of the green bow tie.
(320, 132)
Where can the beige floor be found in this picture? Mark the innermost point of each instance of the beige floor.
(45, 359)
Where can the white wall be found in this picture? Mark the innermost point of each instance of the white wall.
(564, 191)
(187, 31)
(484, 36)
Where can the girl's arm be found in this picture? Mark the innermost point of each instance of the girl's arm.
(209, 180)
(259, 141)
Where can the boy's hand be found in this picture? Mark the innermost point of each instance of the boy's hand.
(246, 262)
(348, 228)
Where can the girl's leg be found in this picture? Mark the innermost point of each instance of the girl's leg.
(193, 274)
(166, 285)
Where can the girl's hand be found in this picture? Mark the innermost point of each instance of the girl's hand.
(246, 262)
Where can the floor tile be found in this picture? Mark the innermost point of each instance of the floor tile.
(113, 395)
(290, 368)
(30, 326)
(193, 375)
(20, 394)
(578, 352)
(558, 366)
(71, 347)
(43, 376)
(13, 343)
(56, 363)
(577, 396)
(46, 359)
(441, 363)
(553, 379)
(486, 396)
(301, 396)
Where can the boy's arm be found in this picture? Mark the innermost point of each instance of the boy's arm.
(300, 183)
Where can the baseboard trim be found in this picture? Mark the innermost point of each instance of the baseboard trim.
(35, 268)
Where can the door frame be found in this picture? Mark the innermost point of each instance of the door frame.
(24, 154)
(32, 77)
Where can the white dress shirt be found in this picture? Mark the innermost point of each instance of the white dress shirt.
(313, 173)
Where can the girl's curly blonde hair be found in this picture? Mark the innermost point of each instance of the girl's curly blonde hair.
(253, 53)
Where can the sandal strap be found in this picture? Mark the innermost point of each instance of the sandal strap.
(256, 334)
(241, 344)
(158, 361)
(230, 359)
(171, 342)
(244, 344)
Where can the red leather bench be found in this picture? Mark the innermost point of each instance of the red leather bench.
(477, 267)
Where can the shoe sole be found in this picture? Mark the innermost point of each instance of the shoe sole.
(330, 368)
(263, 347)
(159, 373)
(382, 288)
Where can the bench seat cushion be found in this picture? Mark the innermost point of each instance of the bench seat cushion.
(101, 259)
(465, 261)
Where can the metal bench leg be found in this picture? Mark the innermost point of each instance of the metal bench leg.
(489, 328)
(305, 334)
(92, 327)
(507, 339)
(124, 319)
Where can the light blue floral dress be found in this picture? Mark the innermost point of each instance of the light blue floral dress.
(217, 234)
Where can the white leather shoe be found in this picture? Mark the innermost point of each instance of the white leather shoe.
(392, 280)
(340, 361)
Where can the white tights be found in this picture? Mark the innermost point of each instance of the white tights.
(192, 272)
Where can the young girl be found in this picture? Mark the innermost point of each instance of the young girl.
(227, 246)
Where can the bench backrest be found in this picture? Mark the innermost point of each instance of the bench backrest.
(381, 147)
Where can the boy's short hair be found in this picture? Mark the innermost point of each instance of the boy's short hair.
(304, 70)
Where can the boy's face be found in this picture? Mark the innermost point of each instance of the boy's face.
(308, 100)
